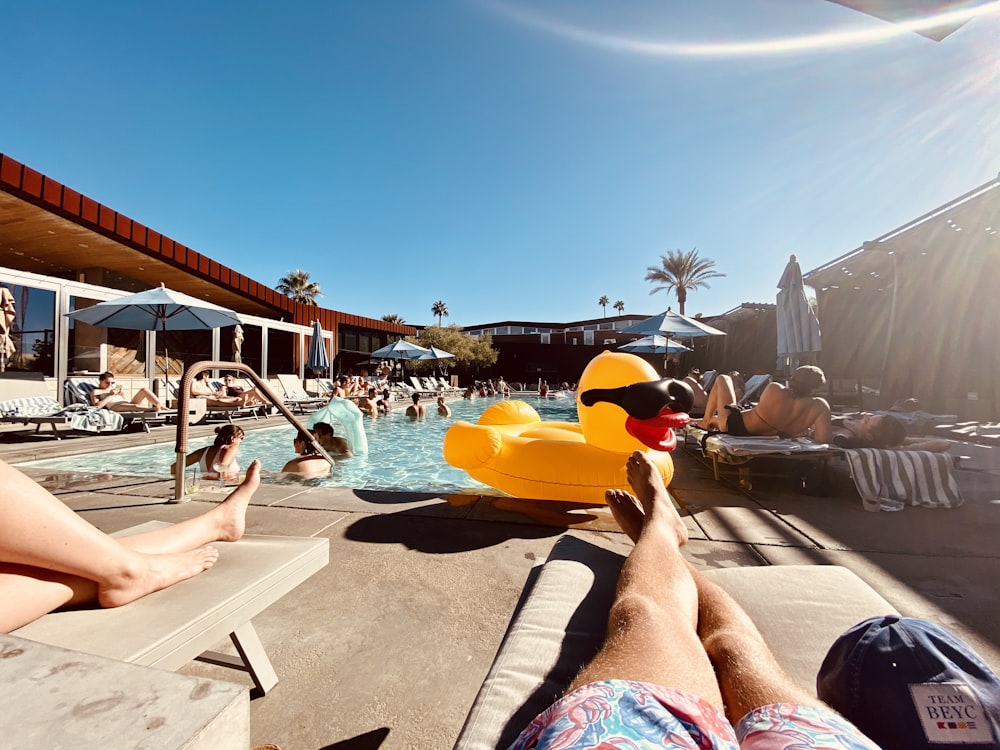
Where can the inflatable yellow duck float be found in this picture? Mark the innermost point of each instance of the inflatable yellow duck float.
(623, 406)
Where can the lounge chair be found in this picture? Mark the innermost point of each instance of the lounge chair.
(29, 402)
(562, 617)
(421, 388)
(77, 390)
(169, 628)
(296, 398)
(755, 386)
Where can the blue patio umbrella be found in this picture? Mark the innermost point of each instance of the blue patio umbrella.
(672, 324)
(798, 326)
(318, 361)
(158, 309)
(653, 345)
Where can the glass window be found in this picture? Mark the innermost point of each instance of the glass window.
(282, 351)
(545, 338)
(588, 338)
(84, 340)
(33, 330)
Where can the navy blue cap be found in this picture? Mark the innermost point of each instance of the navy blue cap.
(909, 684)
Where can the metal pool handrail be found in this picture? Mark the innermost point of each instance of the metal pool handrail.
(184, 395)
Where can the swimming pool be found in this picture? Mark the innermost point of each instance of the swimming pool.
(403, 455)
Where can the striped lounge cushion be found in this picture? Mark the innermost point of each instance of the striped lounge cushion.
(893, 479)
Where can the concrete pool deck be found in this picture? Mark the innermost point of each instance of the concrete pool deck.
(387, 646)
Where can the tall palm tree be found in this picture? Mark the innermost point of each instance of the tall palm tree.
(682, 272)
(440, 309)
(298, 286)
(393, 318)
(604, 302)
(620, 307)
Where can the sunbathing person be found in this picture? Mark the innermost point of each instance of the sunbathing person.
(785, 411)
(221, 453)
(682, 663)
(201, 388)
(693, 379)
(108, 395)
(309, 462)
(50, 557)
(250, 397)
(881, 431)
(332, 444)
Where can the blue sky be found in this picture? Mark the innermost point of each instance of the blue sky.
(515, 159)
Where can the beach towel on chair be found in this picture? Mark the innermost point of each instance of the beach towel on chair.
(893, 479)
(91, 419)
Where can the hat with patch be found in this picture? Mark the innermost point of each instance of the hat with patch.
(910, 684)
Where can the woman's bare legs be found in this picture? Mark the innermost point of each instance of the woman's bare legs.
(747, 673)
(652, 628)
(50, 556)
(719, 397)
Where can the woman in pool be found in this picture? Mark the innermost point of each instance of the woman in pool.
(222, 453)
(309, 462)
(50, 557)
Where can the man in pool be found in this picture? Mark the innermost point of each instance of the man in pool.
(108, 395)
(416, 410)
(443, 408)
(332, 444)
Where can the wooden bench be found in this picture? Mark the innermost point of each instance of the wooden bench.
(169, 628)
(562, 617)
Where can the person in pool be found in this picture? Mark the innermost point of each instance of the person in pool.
(108, 395)
(442, 407)
(50, 557)
(222, 452)
(332, 444)
(308, 462)
(785, 411)
(416, 410)
(682, 665)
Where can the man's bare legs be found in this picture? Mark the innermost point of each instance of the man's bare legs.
(722, 394)
(746, 671)
(652, 627)
(50, 556)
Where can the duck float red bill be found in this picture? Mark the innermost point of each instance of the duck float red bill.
(623, 406)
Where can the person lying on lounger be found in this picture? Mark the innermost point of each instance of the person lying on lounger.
(50, 557)
(881, 431)
(693, 379)
(786, 411)
(249, 396)
(682, 664)
(201, 388)
(108, 395)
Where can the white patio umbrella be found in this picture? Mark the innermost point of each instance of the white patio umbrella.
(798, 326)
(158, 309)
(400, 350)
(653, 345)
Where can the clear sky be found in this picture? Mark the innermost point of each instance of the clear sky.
(515, 159)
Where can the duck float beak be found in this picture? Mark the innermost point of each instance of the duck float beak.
(654, 408)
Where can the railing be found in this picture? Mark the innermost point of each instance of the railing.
(184, 395)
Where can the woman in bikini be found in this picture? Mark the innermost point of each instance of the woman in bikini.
(785, 411)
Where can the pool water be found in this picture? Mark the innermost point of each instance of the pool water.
(403, 454)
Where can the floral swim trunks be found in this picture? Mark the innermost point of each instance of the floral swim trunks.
(624, 714)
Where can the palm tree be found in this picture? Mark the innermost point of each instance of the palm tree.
(393, 318)
(440, 309)
(604, 302)
(682, 272)
(298, 286)
(620, 307)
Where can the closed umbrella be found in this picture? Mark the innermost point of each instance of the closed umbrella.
(318, 362)
(238, 337)
(798, 326)
(673, 324)
(159, 309)
(7, 315)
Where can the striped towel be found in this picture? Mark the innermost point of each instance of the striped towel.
(893, 479)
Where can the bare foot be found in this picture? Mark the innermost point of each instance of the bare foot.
(233, 510)
(155, 572)
(627, 512)
(652, 495)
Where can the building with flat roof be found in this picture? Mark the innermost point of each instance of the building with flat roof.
(61, 251)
